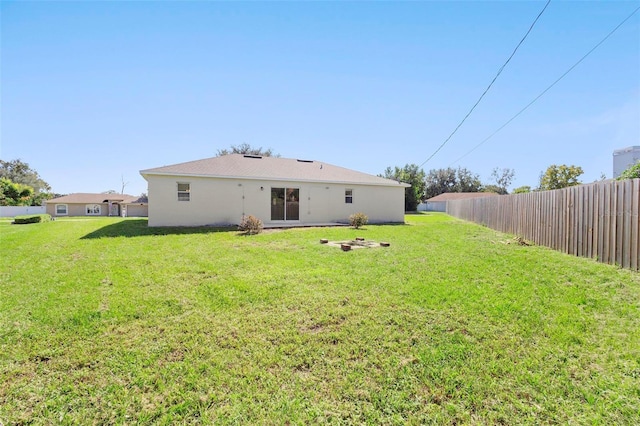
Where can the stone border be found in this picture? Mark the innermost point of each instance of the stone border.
(358, 243)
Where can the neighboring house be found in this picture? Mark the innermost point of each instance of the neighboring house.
(279, 191)
(439, 202)
(135, 208)
(83, 204)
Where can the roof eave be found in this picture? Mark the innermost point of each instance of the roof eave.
(145, 173)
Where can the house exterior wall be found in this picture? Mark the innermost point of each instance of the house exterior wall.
(137, 210)
(215, 201)
(77, 209)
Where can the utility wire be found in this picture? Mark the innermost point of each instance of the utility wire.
(548, 88)
(489, 86)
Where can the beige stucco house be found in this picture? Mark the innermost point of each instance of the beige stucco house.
(88, 204)
(279, 191)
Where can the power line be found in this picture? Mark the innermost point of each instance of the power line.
(547, 89)
(489, 86)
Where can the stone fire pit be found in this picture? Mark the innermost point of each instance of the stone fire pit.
(359, 242)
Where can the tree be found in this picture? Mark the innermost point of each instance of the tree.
(557, 177)
(633, 172)
(247, 149)
(439, 181)
(124, 184)
(522, 189)
(19, 172)
(467, 181)
(14, 194)
(412, 175)
(494, 188)
(503, 179)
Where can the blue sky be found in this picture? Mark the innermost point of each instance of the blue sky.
(93, 92)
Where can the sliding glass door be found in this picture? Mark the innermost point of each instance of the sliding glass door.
(292, 209)
(285, 204)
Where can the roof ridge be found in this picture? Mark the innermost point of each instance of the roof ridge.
(239, 166)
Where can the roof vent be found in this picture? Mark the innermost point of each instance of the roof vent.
(252, 156)
(305, 161)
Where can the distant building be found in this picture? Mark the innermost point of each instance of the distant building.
(625, 158)
(88, 204)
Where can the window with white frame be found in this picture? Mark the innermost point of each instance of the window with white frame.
(62, 209)
(93, 209)
(348, 196)
(184, 191)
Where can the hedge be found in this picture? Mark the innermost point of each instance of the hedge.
(32, 218)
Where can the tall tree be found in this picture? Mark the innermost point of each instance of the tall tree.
(14, 194)
(412, 175)
(467, 181)
(562, 176)
(19, 172)
(439, 181)
(503, 179)
(247, 149)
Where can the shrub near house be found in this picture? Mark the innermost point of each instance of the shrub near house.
(34, 218)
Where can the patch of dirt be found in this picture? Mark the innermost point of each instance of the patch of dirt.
(517, 241)
(355, 244)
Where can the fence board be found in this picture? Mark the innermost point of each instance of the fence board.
(579, 213)
(607, 224)
(635, 224)
(619, 210)
(600, 227)
(626, 218)
(589, 209)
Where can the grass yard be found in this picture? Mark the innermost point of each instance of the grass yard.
(108, 321)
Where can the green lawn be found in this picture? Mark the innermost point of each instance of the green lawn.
(108, 321)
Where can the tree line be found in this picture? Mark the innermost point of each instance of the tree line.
(439, 181)
(20, 185)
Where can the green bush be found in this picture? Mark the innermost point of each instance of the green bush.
(250, 225)
(633, 172)
(358, 219)
(32, 218)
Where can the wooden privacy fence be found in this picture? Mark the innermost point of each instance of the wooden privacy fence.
(598, 220)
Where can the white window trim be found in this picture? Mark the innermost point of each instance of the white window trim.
(66, 210)
(86, 209)
(187, 192)
(348, 197)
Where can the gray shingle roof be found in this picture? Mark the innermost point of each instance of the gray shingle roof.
(89, 198)
(269, 168)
